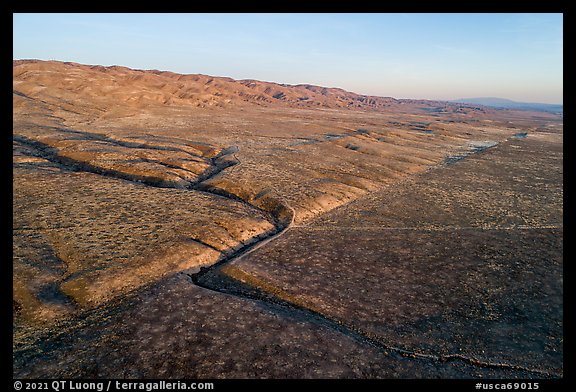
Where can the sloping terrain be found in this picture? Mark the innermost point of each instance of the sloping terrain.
(455, 262)
(135, 88)
(127, 182)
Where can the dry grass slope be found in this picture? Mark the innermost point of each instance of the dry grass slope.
(123, 178)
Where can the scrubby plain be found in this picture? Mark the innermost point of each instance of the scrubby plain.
(171, 225)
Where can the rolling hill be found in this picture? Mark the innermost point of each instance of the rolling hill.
(509, 104)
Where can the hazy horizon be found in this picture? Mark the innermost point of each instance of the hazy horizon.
(416, 56)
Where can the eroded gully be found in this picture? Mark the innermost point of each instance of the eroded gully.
(212, 278)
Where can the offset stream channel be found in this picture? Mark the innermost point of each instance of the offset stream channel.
(282, 217)
(214, 279)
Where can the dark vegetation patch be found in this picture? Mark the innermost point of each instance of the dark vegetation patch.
(520, 135)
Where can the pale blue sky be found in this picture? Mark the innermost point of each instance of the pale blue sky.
(431, 56)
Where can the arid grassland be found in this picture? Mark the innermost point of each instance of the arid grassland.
(188, 226)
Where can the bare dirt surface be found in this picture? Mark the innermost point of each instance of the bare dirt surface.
(343, 236)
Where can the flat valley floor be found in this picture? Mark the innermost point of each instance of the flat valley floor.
(166, 241)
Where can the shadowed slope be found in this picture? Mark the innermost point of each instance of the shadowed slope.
(124, 178)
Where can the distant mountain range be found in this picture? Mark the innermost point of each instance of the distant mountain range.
(509, 104)
(139, 88)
